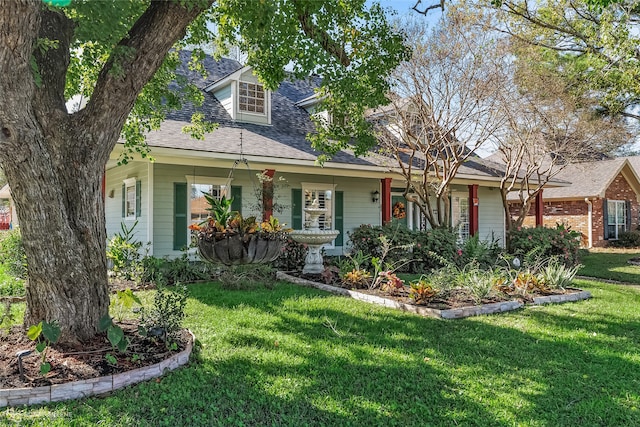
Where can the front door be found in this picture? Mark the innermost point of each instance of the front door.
(398, 210)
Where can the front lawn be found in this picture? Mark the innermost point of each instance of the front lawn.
(293, 356)
(611, 265)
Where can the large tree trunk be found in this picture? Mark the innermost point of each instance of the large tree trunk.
(54, 162)
(61, 215)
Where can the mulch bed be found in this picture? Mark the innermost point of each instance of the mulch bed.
(454, 298)
(72, 363)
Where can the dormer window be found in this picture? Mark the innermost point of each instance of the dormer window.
(251, 98)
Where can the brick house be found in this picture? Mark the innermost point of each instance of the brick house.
(601, 202)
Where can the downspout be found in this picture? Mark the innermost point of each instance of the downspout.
(589, 222)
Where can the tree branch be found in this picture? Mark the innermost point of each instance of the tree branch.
(427, 8)
(132, 64)
(321, 36)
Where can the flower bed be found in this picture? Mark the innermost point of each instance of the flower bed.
(461, 311)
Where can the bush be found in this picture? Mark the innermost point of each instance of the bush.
(366, 238)
(546, 242)
(183, 270)
(482, 253)
(292, 256)
(626, 239)
(124, 253)
(164, 320)
(12, 254)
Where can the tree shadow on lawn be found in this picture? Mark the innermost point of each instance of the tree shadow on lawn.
(343, 362)
(420, 371)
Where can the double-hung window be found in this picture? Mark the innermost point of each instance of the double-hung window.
(462, 220)
(130, 199)
(197, 203)
(616, 218)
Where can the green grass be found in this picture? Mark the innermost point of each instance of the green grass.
(611, 265)
(9, 285)
(294, 356)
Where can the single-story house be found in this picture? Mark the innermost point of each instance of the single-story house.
(262, 134)
(601, 202)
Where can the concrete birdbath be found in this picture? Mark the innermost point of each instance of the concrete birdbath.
(314, 238)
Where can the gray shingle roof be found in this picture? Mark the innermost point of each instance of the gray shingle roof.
(285, 138)
(588, 179)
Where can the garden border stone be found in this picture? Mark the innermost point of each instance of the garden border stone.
(452, 313)
(93, 386)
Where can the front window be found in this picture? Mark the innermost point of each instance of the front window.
(251, 98)
(130, 198)
(460, 217)
(617, 218)
(198, 204)
(324, 194)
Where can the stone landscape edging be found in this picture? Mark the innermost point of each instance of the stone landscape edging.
(452, 313)
(93, 386)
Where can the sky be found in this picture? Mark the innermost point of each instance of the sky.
(404, 6)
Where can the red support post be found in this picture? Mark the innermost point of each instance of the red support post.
(386, 200)
(539, 209)
(474, 223)
(267, 194)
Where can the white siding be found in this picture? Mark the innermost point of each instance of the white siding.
(113, 199)
(163, 205)
(490, 215)
(224, 95)
(358, 208)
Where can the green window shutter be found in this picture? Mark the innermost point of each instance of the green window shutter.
(296, 208)
(339, 225)
(605, 218)
(138, 198)
(124, 200)
(236, 193)
(627, 206)
(179, 215)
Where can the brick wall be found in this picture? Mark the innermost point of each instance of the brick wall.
(574, 213)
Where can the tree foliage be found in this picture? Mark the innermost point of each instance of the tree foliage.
(591, 45)
(118, 60)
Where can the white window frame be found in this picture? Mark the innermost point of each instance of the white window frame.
(463, 219)
(129, 183)
(619, 204)
(223, 183)
(264, 98)
(320, 188)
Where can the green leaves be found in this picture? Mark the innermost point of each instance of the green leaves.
(352, 48)
(34, 331)
(46, 333)
(51, 331)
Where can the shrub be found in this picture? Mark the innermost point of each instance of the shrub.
(366, 238)
(556, 275)
(421, 291)
(12, 253)
(626, 239)
(481, 252)
(292, 256)
(183, 270)
(163, 321)
(124, 252)
(546, 242)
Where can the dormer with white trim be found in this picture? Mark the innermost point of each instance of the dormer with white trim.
(243, 96)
